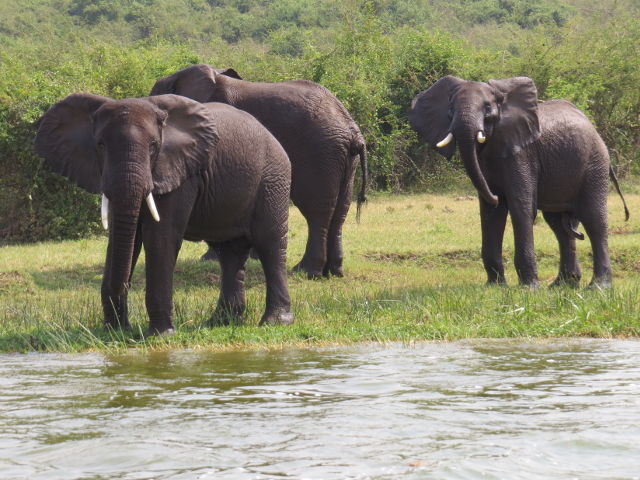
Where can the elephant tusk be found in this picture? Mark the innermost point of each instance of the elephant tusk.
(481, 137)
(104, 212)
(446, 141)
(152, 207)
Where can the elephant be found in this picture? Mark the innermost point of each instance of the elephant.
(523, 155)
(204, 172)
(318, 134)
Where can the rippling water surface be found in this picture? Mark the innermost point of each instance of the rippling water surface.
(482, 409)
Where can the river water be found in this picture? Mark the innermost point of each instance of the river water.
(464, 410)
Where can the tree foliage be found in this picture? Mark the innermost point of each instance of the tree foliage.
(374, 55)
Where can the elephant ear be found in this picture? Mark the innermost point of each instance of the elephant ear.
(229, 72)
(189, 135)
(196, 82)
(518, 125)
(65, 140)
(429, 113)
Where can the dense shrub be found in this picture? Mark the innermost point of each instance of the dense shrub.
(374, 55)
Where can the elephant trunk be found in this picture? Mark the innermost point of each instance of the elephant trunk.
(467, 137)
(122, 236)
(126, 191)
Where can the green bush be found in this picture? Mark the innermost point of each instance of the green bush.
(374, 55)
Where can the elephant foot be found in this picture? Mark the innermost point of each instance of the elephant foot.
(159, 332)
(333, 270)
(209, 255)
(112, 325)
(278, 317)
(312, 273)
(531, 283)
(496, 282)
(571, 281)
(600, 284)
(223, 317)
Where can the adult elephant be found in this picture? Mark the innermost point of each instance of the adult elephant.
(320, 137)
(208, 172)
(523, 156)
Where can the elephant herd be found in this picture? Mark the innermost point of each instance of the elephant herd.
(211, 157)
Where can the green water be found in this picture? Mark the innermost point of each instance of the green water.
(465, 410)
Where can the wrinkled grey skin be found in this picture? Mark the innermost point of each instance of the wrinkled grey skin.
(216, 175)
(321, 139)
(545, 156)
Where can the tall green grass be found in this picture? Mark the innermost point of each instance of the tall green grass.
(412, 272)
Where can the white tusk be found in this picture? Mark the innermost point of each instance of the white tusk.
(446, 141)
(152, 207)
(481, 137)
(104, 212)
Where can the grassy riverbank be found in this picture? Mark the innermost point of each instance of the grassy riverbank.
(413, 272)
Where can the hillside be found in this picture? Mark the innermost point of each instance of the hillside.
(374, 55)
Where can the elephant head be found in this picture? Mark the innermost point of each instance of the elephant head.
(500, 116)
(198, 82)
(128, 150)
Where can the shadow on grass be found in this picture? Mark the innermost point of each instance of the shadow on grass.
(187, 274)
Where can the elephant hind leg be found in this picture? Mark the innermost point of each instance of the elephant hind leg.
(272, 255)
(317, 210)
(569, 272)
(335, 253)
(231, 303)
(596, 225)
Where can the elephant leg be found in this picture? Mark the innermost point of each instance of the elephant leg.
(231, 303)
(210, 254)
(335, 253)
(116, 310)
(596, 225)
(161, 249)
(278, 302)
(493, 221)
(315, 254)
(569, 273)
(522, 216)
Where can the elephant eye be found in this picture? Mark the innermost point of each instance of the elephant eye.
(100, 145)
(153, 147)
(488, 110)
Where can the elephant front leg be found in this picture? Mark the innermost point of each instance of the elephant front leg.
(231, 303)
(525, 259)
(493, 221)
(161, 249)
(115, 308)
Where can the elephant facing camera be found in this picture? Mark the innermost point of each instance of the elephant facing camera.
(522, 156)
(171, 169)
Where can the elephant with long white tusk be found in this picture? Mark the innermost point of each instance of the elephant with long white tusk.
(173, 156)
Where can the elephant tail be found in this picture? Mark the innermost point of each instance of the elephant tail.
(614, 179)
(570, 224)
(361, 150)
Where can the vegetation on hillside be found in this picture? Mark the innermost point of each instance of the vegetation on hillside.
(375, 55)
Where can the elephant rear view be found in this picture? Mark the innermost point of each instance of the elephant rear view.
(522, 156)
(320, 137)
(171, 168)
